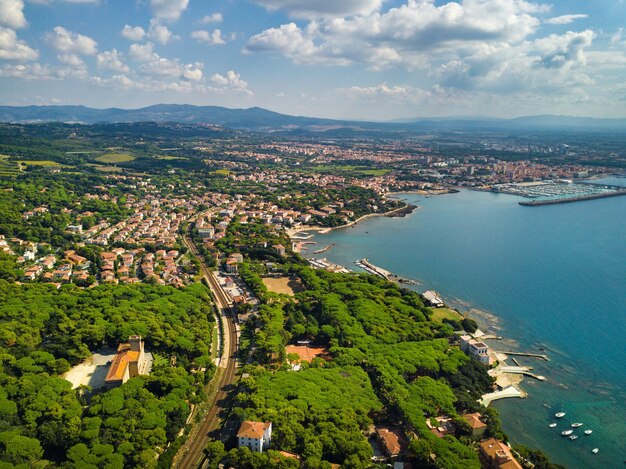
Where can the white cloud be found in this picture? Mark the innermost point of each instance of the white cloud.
(212, 18)
(407, 35)
(565, 19)
(111, 60)
(385, 91)
(294, 43)
(12, 48)
(133, 33)
(12, 14)
(141, 52)
(156, 66)
(71, 43)
(168, 10)
(322, 8)
(231, 81)
(160, 33)
(71, 59)
(213, 38)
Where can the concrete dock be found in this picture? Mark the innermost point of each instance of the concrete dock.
(510, 392)
(528, 354)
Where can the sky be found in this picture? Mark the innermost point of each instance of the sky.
(348, 59)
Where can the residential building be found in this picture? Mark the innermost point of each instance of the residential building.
(390, 441)
(255, 435)
(476, 423)
(495, 454)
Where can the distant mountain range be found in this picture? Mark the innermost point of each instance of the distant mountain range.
(263, 120)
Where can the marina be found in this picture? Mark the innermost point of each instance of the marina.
(558, 191)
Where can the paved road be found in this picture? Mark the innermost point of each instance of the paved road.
(192, 451)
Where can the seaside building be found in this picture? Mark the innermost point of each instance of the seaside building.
(255, 435)
(476, 349)
(129, 361)
(433, 298)
(494, 454)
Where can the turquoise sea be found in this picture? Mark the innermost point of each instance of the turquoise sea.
(550, 277)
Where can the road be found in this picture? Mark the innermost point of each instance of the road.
(191, 454)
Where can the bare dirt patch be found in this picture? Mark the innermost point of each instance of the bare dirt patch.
(285, 285)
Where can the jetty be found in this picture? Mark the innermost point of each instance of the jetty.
(506, 393)
(324, 249)
(528, 354)
(521, 370)
(372, 269)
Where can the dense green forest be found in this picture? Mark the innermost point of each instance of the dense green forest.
(44, 331)
(382, 343)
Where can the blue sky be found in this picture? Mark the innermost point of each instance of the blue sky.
(361, 59)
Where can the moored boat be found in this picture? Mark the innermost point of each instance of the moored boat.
(567, 432)
(595, 450)
(588, 432)
(559, 415)
(573, 437)
(577, 424)
(552, 425)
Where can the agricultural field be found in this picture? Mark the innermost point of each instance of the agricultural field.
(113, 158)
(8, 168)
(44, 163)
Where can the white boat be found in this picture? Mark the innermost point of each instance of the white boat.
(595, 450)
(567, 432)
(573, 437)
(552, 425)
(588, 432)
(577, 424)
(559, 415)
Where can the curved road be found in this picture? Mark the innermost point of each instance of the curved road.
(191, 454)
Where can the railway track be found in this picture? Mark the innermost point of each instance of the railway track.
(192, 452)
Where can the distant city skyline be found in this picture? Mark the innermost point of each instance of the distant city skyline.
(344, 59)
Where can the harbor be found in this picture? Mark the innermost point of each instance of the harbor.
(558, 191)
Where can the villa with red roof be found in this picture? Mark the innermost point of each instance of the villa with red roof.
(255, 435)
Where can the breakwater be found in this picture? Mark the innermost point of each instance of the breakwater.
(536, 203)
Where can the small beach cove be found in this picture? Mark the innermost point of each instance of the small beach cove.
(525, 273)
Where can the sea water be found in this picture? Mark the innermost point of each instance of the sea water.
(549, 279)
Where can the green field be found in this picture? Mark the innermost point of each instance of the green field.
(39, 163)
(439, 314)
(115, 158)
(169, 157)
(8, 168)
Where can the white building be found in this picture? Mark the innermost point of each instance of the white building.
(476, 349)
(255, 435)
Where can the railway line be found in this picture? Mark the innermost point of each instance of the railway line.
(191, 454)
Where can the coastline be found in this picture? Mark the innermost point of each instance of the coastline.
(507, 384)
(560, 392)
(327, 229)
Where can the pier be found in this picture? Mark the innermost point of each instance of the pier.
(527, 354)
(506, 393)
(374, 270)
(324, 249)
(521, 370)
